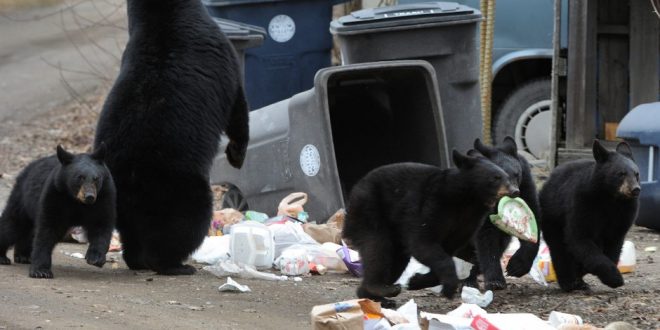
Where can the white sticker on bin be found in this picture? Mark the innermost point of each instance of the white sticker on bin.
(281, 28)
(310, 160)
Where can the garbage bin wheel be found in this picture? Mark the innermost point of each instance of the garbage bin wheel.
(525, 115)
(233, 198)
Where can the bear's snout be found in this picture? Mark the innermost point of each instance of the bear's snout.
(508, 190)
(87, 194)
(630, 189)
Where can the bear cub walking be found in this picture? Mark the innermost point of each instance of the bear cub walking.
(587, 208)
(408, 209)
(491, 242)
(51, 195)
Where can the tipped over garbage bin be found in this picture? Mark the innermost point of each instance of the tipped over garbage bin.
(322, 141)
(442, 33)
(242, 37)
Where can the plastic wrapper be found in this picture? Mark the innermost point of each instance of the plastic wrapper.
(212, 250)
(229, 268)
(233, 286)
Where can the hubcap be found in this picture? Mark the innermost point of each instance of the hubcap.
(533, 129)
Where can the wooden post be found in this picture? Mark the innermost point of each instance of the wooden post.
(581, 81)
(557, 70)
(644, 44)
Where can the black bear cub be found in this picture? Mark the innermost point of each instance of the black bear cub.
(51, 195)
(490, 242)
(409, 209)
(587, 208)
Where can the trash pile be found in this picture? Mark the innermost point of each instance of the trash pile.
(368, 315)
(243, 245)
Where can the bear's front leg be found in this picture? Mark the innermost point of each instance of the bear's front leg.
(595, 262)
(99, 242)
(442, 267)
(45, 240)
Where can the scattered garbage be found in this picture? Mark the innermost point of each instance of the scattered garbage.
(233, 286)
(76, 255)
(329, 231)
(256, 216)
(471, 295)
(364, 314)
(557, 319)
(414, 267)
(222, 221)
(213, 249)
(293, 261)
(286, 232)
(292, 205)
(651, 249)
(229, 268)
(78, 234)
(628, 258)
(252, 244)
(515, 218)
(115, 242)
(351, 259)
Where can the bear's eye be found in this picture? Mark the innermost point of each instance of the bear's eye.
(637, 176)
(496, 178)
(96, 178)
(621, 173)
(81, 177)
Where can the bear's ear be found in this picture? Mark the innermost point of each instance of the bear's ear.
(99, 153)
(64, 156)
(509, 146)
(600, 153)
(461, 161)
(482, 148)
(624, 149)
(474, 153)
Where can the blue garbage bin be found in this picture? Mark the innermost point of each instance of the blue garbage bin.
(641, 129)
(297, 45)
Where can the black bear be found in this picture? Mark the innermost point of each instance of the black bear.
(179, 88)
(587, 208)
(490, 242)
(409, 209)
(51, 195)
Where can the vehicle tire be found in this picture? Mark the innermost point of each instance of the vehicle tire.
(233, 198)
(525, 115)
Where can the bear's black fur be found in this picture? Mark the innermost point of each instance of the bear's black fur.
(51, 195)
(178, 89)
(587, 208)
(490, 242)
(409, 209)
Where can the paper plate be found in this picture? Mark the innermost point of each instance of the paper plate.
(515, 218)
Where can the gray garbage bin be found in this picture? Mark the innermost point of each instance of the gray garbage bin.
(641, 129)
(321, 141)
(242, 37)
(442, 33)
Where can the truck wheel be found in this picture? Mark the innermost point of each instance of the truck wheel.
(233, 198)
(525, 115)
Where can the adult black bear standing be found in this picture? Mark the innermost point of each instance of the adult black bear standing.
(587, 208)
(178, 89)
(409, 209)
(490, 242)
(51, 195)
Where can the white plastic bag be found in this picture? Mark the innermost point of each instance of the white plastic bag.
(287, 234)
(212, 250)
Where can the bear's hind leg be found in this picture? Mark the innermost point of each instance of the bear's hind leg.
(9, 231)
(377, 253)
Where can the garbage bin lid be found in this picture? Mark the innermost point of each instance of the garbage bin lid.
(642, 123)
(238, 30)
(407, 14)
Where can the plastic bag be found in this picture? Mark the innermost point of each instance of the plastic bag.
(287, 233)
(292, 204)
(299, 259)
(212, 250)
